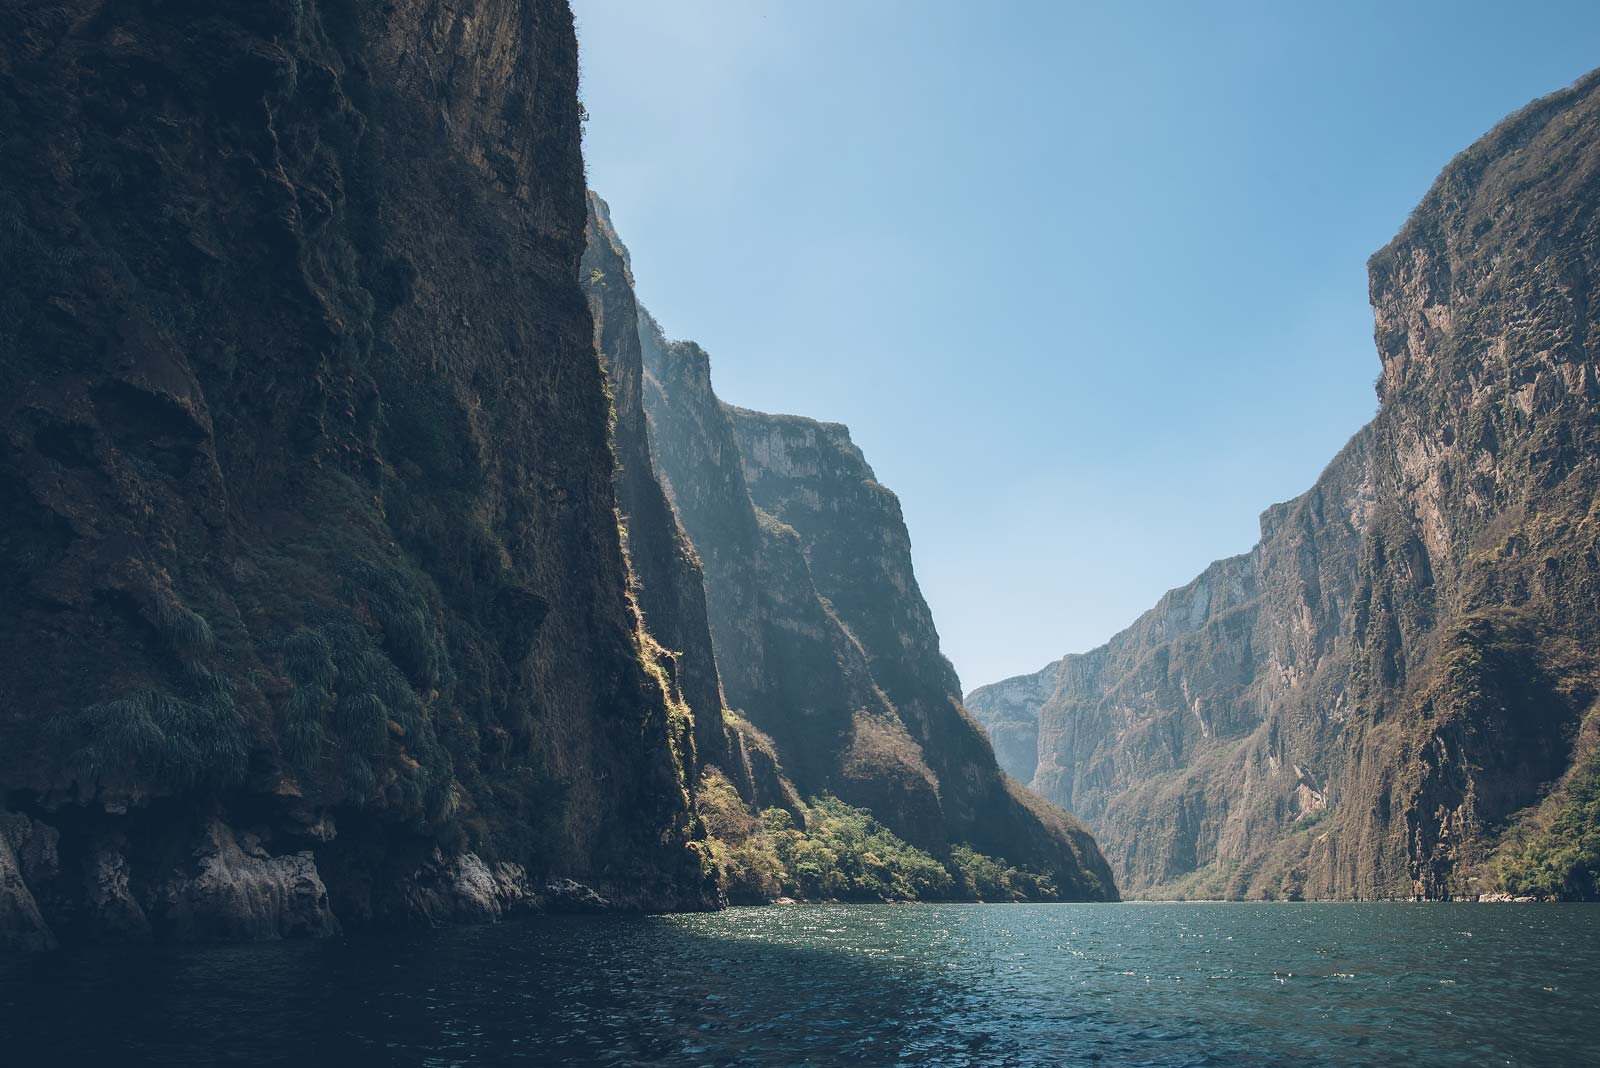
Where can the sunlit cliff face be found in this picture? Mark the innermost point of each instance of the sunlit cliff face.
(1366, 704)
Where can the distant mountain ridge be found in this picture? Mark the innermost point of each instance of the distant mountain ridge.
(1392, 694)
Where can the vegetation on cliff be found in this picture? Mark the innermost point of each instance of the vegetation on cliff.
(1553, 851)
(830, 851)
(825, 645)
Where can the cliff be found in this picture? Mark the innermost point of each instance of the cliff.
(826, 774)
(667, 582)
(316, 604)
(824, 643)
(1392, 694)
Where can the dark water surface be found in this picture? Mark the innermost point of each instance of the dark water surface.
(981, 985)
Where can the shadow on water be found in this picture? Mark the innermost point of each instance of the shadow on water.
(568, 991)
(846, 985)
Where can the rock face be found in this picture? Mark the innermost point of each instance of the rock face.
(669, 585)
(1009, 713)
(236, 890)
(22, 926)
(312, 574)
(821, 636)
(1368, 702)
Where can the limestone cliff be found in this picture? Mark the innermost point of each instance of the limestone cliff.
(316, 608)
(1393, 693)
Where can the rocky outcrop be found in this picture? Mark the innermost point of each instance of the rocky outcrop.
(464, 889)
(22, 926)
(856, 551)
(1368, 703)
(233, 889)
(311, 525)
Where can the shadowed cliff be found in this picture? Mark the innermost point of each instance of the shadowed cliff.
(316, 606)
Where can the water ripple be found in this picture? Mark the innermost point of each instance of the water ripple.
(960, 986)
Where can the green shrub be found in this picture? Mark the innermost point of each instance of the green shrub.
(1562, 859)
(740, 847)
(844, 853)
(304, 738)
(982, 877)
(355, 771)
(155, 738)
(186, 631)
(992, 879)
(401, 607)
(308, 659)
(362, 721)
(340, 667)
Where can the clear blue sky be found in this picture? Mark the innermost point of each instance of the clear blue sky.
(1087, 282)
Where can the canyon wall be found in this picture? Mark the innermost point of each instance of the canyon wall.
(1392, 694)
(317, 611)
(822, 638)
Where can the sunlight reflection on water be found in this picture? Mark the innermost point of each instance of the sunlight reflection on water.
(939, 985)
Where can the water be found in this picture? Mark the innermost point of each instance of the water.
(925, 985)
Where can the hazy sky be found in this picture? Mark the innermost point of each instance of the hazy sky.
(1087, 282)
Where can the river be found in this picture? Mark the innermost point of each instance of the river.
(876, 985)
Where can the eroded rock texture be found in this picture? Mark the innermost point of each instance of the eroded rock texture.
(668, 582)
(1368, 702)
(310, 531)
